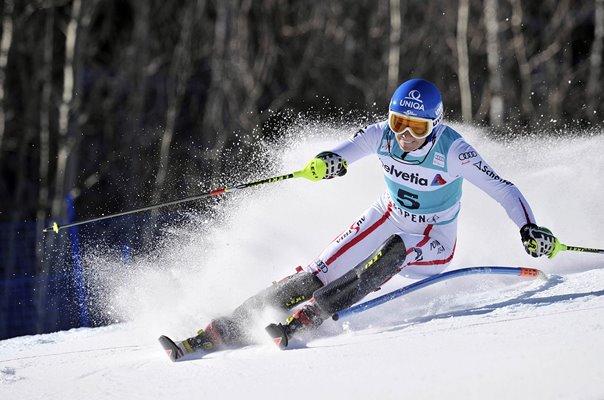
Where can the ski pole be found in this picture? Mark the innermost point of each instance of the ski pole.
(518, 271)
(558, 247)
(314, 171)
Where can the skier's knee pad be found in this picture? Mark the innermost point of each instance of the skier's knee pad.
(369, 275)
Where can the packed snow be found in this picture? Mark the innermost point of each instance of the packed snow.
(474, 337)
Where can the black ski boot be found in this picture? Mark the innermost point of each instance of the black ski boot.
(201, 342)
(308, 317)
(220, 333)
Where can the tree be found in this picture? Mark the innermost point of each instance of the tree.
(463, 60)
(495, 79)
(5, 46)
(594, 85)
(180, 71)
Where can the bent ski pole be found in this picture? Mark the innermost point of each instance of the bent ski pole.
(314, 171)
(518, 271)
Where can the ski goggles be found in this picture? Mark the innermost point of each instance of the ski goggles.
(419, 128)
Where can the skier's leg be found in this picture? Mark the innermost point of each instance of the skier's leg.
(356, 243)
(371, 237)
(284, 294)
(435, 249)
(349, 249)
(431, 252)
(385, 262)
(368, 276)
(232, 330)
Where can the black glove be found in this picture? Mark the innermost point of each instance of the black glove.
(538, 241)
(336, 165)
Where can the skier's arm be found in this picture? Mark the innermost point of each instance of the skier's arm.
(466, 162)
(337, 159)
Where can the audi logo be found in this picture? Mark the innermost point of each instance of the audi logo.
(468, 155)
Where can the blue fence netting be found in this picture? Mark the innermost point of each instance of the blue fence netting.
(42, 287)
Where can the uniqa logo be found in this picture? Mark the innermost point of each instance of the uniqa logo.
(413, 100)
(412, 104)
(414, 95)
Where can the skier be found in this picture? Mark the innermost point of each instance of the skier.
(411, 229)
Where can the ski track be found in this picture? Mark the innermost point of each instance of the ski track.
(475, 337)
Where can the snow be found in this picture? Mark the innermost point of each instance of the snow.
(474, 337)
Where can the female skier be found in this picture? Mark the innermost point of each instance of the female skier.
(411, 229)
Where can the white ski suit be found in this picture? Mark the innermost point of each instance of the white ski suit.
(421, 204)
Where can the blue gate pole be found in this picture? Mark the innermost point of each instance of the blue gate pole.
(77, 261)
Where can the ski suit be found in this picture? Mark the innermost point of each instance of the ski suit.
(421, 204)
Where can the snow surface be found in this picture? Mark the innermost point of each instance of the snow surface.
(475, 337)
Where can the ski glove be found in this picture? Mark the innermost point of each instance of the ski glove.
(336, 165)
(538, 241)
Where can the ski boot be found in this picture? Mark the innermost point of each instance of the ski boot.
(308, 317)
(219, 334)
(176, 350)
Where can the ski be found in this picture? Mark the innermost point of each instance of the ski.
(172, 350)
(280, 334)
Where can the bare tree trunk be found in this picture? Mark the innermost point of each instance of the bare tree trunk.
(69, 119)
(214, 112)
(463, 60)
(41, 292)
(394, 48)
(180, 72)
(255, 59)
(560, 72)
(5, 45)
(493, 59)
(138, 70)
(66, 141)
(594, 86)
(138, 58)
(523, 64)
(65, 163)
(44, 134)
(42, 241)
(315, 23)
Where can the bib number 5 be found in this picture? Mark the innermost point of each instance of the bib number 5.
(408, 200)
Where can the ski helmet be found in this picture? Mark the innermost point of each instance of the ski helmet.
(414, 102)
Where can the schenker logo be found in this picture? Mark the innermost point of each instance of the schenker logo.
(489, 172)
(413, 177)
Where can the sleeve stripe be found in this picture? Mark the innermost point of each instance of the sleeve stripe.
(528, 220)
